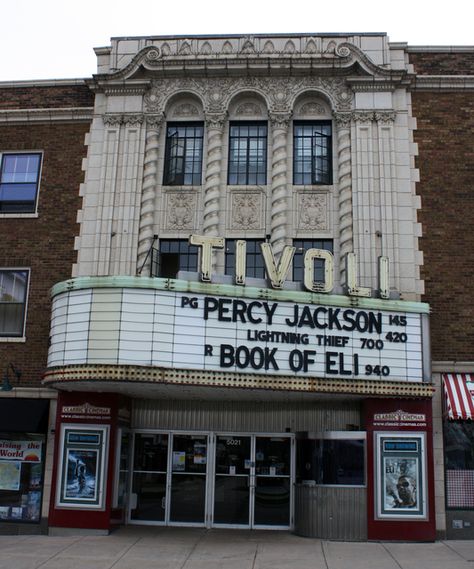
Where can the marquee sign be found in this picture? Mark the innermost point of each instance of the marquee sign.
(223, 333)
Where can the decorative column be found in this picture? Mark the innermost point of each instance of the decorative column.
(147, 207)
(212, 189)
(346, 242)
(279, 210)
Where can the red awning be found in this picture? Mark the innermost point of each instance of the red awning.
(459, 395)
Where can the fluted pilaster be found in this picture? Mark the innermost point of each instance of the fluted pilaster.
(147, 207)
(279, 209)
(346, 241)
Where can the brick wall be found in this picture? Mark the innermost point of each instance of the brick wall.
(44, 244)
(432, 63)
(45, 97)
(445, 134)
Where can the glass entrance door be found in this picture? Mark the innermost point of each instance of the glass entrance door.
(233, 473)
(272, 502)
(188, 479)
(252, 483)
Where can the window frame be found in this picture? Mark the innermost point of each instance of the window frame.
(263, 163)
(21, 336)
(34, 209)
(329, 157)
(193, 252)
(252, 255)
(167, 170)
(300, 252)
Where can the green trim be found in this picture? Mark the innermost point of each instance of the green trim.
(195, 287)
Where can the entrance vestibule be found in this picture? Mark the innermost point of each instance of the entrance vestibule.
(212, 479)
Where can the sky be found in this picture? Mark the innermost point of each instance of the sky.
(54, 39)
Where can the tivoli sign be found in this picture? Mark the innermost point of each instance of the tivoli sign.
(278, 272)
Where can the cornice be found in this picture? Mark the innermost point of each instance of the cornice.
(443, 83)
(71, 114)
(342, 60)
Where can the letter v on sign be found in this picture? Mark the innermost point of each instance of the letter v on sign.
(277, 274)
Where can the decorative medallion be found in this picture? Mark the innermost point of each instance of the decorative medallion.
(180, 211)
(312, 211)
(246, 211)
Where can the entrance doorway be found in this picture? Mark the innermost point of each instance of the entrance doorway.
(212, 479)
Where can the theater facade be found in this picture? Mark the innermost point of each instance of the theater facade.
(243, 341)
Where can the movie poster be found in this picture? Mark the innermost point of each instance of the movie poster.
(401, 483)
(82, 471)
(83, 464)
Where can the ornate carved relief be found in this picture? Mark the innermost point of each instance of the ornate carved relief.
(279, 92)
(227, 47)
(248, 46)
(135, 119)
(180, 211)
(206, 48)
(312, 47)
(112, 119)
(312, 108)
(185, 49)
(312, 211)
(186, 110)
(363, 117)
(268, 47)
(385, 117)
(129, 119)
(246, 211)
(290, 47)
(248, 109)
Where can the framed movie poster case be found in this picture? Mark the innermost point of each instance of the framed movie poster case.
(83, 456)
(400, 476)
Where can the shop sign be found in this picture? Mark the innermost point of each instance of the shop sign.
(85, 411)
(20, 451)
(399, 419)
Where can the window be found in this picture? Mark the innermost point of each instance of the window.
(254, 258)
(459, 463)
(13, 289)
(312, 153)
(173, 256)
(302, 245)
(334, 458)
(183, 155)
(247, 153)
(19, 179)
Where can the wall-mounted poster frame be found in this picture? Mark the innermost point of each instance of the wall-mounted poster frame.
(82, 459)
(400, 481)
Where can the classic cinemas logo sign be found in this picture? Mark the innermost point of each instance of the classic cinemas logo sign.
(278, 272)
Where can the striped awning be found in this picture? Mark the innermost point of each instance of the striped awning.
(459, 395)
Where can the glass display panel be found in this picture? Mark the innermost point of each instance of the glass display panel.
(21, 476)
(231, 500)
(150, 489)
(272, 501)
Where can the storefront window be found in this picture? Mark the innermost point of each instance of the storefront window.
(459, 456)
(334, 460)
(21, 476)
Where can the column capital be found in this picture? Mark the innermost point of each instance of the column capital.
(280, 120)
(154, 121)
(342, 120)
(216, 121)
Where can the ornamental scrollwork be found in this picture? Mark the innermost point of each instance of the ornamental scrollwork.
(363, 117)
(112, 119)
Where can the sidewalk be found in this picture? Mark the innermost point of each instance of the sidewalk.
(185, 548)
